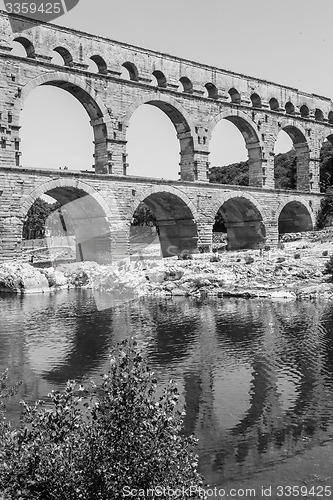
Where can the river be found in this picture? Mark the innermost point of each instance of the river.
(256, 376)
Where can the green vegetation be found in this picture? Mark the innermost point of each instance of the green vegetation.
(235, 174)
(143, 216)
(92, 447)
(326, 208)
(39, 213)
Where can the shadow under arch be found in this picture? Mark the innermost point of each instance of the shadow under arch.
(295, 216)
(252, 140)
(182, 124)
(94, 106)
(87, 212)
(298, 136)
(175, 219)
(243, 220)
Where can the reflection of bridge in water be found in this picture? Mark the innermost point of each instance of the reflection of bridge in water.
(256, 377)
(195, 97)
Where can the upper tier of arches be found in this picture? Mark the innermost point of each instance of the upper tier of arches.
(281, 102)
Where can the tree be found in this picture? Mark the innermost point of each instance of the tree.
(143, 216)
(121, 439)
(285, 170)
(34, 224)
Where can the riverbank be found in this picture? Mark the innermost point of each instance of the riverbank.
(295, 270)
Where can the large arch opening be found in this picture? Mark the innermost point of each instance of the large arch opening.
(62, 126)
(235, 153)
(153, 147)
(294, 218)
(298, 157)
(174, 222)
(326, 164)
(75, 225)
(284, 162)
(242, 222)
(55, 131)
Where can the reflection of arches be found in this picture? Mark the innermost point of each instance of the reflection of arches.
(243, 219)
(100, 119)
(27, 44)
(253, 143)
(295, 216)
(182, 123)
(175, 218)
(89, 214)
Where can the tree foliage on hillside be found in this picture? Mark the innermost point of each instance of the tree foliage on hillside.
(285, 170)
(326, 166)
(235, 174)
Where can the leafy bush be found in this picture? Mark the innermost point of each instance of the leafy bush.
(249, 260)
(92, 447)
(329, 266)
(326, 209)
(185, 255)
(215, 258)
(325, 253)
(297, 256)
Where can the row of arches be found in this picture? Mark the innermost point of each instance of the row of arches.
(178, 224)
(128, 70)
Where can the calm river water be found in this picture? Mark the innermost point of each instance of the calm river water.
(256, 376)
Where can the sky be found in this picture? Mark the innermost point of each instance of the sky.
(285, 41)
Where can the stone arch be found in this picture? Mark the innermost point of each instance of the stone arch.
(256, 100)
(100, 63)
(274, 104)
(65, 52)
(254, 143)
(212, 91)
(27, 44)
(244, 219)
(88, 97)
(89, 212)
(182, 122)
(175, 215)
(132, 70)
(298, 135)
(294, 214)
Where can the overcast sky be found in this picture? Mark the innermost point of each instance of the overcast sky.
(284, 41)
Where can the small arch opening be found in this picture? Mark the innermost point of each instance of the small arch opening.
(160, 78)
(330, 117)
(23, 47)
(256, 101)
(319, 115)
(132, 71)
(290, 108)
(294, 218)
(304, 110)
(274, 104)
(97, 65)
(211, 90)
(187, 84)
(235, 96)
(65, 58)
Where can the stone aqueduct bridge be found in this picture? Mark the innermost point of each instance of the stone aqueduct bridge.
(195, 97)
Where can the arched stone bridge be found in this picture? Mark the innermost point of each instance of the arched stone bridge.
(195, 97)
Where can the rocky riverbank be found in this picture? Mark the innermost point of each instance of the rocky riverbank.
(295, 270)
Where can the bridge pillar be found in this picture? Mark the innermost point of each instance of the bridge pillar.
(176, 236)
(10, 237)
(205, 233)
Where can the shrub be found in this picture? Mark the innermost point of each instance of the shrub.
(325, 253)
(280, 259)
(249, 260)
(214, 258)
(297, 256)
(185, 255)
(329, 266)
(93, 447)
